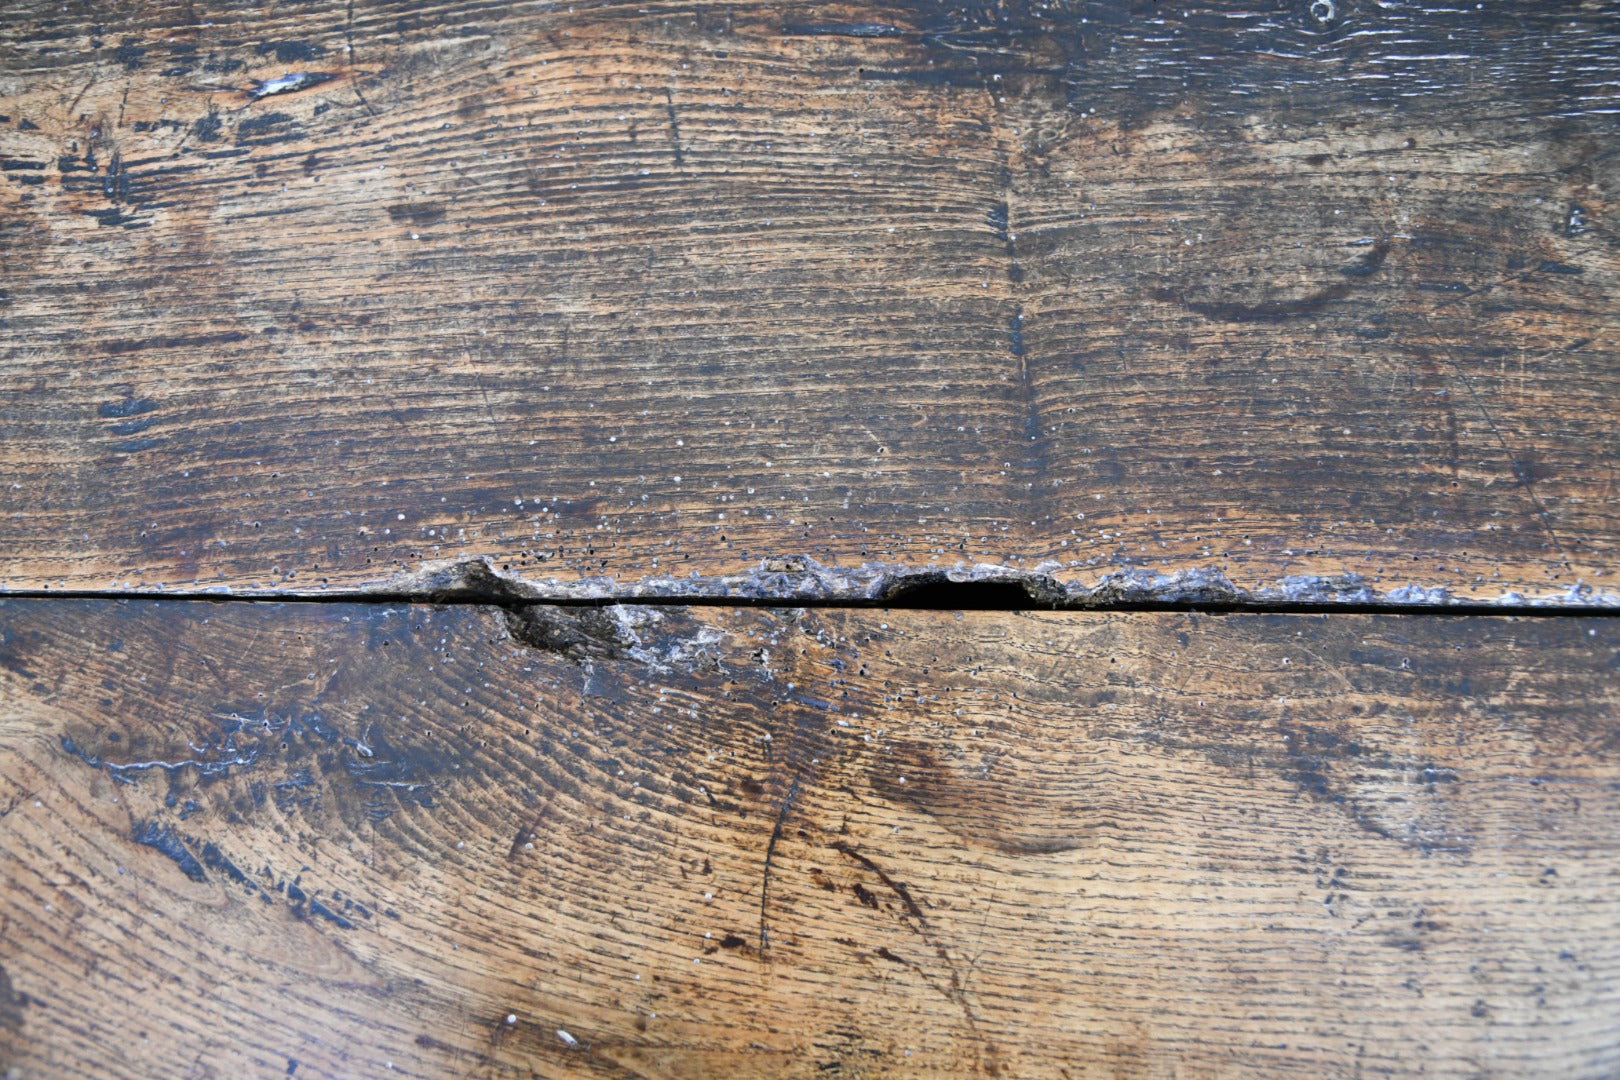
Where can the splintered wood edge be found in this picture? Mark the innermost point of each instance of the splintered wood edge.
(802, 579)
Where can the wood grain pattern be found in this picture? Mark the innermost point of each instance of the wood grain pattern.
(241, 839)
(307, 296)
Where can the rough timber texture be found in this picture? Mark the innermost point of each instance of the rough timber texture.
(298, 296)
(238, 839)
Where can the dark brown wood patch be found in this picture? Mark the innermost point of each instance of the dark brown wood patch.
(1305, 300)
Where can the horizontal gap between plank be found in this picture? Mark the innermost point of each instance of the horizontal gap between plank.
(971, 596)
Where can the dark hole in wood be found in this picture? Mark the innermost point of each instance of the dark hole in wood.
(943, 595)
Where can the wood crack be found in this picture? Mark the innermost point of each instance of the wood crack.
(803, 582)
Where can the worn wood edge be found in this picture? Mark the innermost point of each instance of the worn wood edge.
(802, 579)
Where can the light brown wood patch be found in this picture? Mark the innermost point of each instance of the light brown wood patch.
(677, 842)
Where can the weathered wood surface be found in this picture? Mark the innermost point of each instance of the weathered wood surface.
(235, 838)
(308, 295)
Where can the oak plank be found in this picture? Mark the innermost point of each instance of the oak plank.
(648, 299)
(235, 837)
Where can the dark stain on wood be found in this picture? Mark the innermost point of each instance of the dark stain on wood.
(163, 839)
(417, 213)
(11, 1013)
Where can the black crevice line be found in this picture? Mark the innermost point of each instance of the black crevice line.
(956, 597)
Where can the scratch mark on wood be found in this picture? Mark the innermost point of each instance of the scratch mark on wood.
(897, 887)
(1276, 311)
(348, 40)
(290, 83)
(674, 126)
(770, 853)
